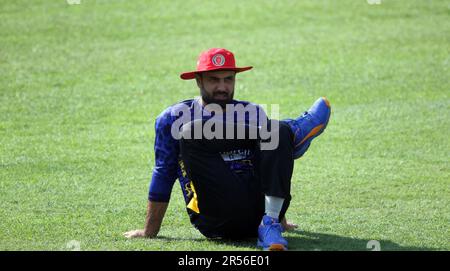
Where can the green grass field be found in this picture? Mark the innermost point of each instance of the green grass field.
(81, 86)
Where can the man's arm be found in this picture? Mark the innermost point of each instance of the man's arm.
(153, 221)
(163, 177)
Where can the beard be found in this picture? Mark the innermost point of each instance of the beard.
(225, 97)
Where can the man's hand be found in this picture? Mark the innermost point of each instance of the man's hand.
(134, 234)
(155, 215)
(288, 226)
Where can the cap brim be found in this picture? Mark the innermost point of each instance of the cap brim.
(191, 75)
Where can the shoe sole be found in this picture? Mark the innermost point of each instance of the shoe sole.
(277, 247)
(272, 247)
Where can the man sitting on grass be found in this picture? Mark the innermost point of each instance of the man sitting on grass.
(234, 165)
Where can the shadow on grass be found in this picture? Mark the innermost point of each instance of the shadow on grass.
(303, 240)
(311, 241)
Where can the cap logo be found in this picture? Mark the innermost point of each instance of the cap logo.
(218, 60)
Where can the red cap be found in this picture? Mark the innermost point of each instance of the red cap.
(214, 59)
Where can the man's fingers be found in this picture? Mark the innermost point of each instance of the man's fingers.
(134, 234)
(129, 234)
(290, 226)
(294, 226)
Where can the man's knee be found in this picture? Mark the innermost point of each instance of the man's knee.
(285, 131)
(279, 133)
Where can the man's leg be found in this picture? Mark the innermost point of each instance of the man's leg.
(230, 204)
(275, 168)
(295, 137)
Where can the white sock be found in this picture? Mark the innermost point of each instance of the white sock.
(273, 206)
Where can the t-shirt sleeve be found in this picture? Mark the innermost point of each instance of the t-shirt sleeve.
(166, 160)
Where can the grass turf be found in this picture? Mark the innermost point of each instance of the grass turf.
(81, 85)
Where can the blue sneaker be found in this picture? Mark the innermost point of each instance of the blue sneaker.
(269, 235)
(309, 125)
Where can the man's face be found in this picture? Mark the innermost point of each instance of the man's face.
(217, 86)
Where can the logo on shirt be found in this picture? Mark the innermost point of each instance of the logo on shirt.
(235, 155)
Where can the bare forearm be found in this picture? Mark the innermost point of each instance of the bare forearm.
(155, 215)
